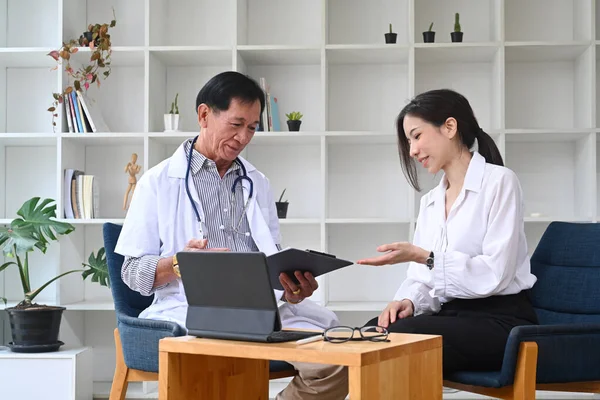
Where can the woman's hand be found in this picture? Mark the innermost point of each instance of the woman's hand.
(399, 252)
(296, 293)
(394, 311)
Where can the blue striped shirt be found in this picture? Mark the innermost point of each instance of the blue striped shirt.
(221, 215)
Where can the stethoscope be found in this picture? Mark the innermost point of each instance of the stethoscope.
(237, 180)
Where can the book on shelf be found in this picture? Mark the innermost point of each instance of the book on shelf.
(269, 121)
(82, 114)
(81, 195)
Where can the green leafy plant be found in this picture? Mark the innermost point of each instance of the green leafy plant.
(99, 64)
(456, 23)
(430, 28)
(281, 197)
(294, 116)
(391, 28)
(35, 228)
(174, 108)
(98, 268)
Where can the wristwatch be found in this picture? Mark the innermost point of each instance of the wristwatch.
(176, 266)
(429, 261)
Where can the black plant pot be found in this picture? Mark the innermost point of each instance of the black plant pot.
(282, 208)
(391, 37)
(88, 36)
(428, 36)
(456, 36)
(35, 329)
(294, 125)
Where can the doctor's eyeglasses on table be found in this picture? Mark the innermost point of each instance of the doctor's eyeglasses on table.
(341, 334)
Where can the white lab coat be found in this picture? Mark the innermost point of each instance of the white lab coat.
(161, 221)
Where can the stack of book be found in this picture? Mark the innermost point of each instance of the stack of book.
(81, 195)
(82, 114)
(270, 118)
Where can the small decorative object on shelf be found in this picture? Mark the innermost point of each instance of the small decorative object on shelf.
(35, 327)
(390, 37)
(294, 121)
(429, 35)
(132, 169)
(172, 118)
(457, 35)
(98, 66)
(282, 206)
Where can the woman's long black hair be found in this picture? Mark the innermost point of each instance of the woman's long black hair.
(435, 107)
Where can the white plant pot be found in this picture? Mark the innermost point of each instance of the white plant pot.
(171, 122)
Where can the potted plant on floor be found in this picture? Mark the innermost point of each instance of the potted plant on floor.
(390, 37)
(282, 206)
(294, 121)
(429, 35)
(35, 327)
(172, 118)
(457, 35)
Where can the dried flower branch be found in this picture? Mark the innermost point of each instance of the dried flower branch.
(97, 39)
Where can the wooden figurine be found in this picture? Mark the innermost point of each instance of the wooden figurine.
(133, 169)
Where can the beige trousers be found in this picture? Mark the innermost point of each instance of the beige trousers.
(316, 381)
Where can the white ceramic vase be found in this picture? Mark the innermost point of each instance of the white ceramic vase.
(171, 122)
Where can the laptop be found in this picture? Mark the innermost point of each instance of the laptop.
(230, 296)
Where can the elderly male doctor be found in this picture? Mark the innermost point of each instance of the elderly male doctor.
(166, 216)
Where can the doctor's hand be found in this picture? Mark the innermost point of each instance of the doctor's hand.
(296, 293)
(200, 244)
(394, 311)
(395, 253)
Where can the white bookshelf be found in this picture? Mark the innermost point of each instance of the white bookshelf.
(528, 68)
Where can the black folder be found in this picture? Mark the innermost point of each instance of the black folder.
(292, 259)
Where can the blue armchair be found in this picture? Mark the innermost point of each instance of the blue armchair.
(136, 339)
(563, 352)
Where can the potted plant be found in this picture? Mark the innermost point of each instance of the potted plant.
(282, 206)
(97, 39)
(294, 121)
(35, 327)
(429, 35)
(390, 37)
(457, 35)
(172, 118)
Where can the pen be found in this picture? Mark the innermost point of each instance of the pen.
(310, 339)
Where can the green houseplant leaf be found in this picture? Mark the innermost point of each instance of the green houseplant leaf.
(17, 238)
(38, 217)
(35, 228)
(98, 268)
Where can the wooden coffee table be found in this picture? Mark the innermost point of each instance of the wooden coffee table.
(408, 367)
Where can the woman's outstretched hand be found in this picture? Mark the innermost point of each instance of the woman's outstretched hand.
(395, 253)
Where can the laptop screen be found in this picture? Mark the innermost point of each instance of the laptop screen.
(226, 279)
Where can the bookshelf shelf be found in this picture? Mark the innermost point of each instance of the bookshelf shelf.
(279, 55)
(185, 56)
(529, 69)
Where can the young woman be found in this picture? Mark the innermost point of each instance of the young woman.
(469, 265)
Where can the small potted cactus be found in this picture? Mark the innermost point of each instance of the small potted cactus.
(457, 35)
(429, 35)
(390, 37)
(282, 206)
(294, 121)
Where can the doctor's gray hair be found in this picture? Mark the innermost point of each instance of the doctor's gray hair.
(218, 92)
(435, 107)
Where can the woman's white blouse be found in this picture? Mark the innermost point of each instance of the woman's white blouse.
(480, 250)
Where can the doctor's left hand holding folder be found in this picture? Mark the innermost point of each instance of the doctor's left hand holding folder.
(293, 293)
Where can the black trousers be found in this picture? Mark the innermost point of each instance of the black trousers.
(474, 331)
